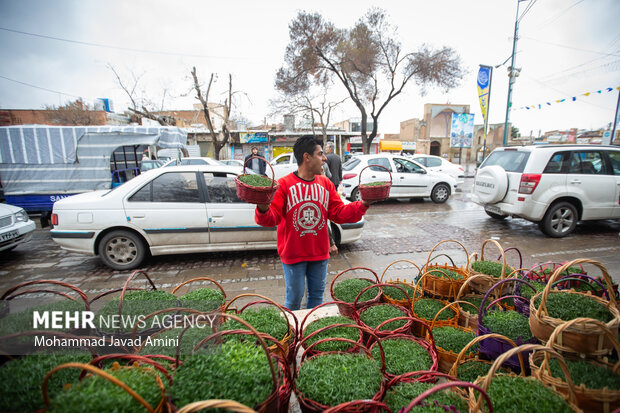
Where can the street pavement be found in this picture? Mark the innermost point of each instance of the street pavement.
(394, 230)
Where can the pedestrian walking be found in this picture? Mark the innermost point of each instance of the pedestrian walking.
(334, 163)
(257, 165)
(303, 203)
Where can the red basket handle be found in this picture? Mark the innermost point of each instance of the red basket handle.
(331, 287)
(443, 386)
(273, 174)
(359, 179)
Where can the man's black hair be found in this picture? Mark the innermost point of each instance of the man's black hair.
(305, 144)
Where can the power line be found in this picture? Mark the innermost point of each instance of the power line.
(527, 9)
(127, 49)
(39, 87)
(557, 16)
(572, 48)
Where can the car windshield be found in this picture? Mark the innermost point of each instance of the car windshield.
(350, 164)
(510, 160)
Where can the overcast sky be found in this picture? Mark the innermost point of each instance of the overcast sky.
(566, 48)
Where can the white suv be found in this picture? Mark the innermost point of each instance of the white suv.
(552, 185)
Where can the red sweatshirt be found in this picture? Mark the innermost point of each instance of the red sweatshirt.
(301, 209)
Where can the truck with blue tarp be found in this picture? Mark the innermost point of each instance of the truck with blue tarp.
(40, 164)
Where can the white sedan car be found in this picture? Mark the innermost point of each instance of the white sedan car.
(15, 227)
(282, 165)
(409, 179)
(180, 209)
(439, 164)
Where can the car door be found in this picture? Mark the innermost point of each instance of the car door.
(230, 219)
(614, 169)
(410, 178)
(589, 180)
(282, 165)
(170, 210)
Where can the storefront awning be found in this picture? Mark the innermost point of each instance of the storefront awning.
(390, 146)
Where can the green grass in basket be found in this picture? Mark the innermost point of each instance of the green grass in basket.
(453, 339)
(471, 370)
(508, 323)
(400, 395)
(255, 180)
(343, 332)
(568, 306)
(376, 314)
(445, 273)
(347, 290)
(234, 370)
(524, 395)
(268, 320)
(468, 308)
(590, 375)
(527, 292)
(403, 356)
(332, 379)
(203, 299)
(97, 394)
(397, 294)
(427, 308)
(492, 268)
(379, 183)
(569, 270)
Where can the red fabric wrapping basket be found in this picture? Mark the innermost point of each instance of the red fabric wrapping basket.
(374, 193)
(256, 194)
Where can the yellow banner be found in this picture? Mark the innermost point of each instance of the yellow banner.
(484, 84)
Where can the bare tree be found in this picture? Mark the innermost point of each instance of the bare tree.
(203, 97)
(366, 59)
(72, 113)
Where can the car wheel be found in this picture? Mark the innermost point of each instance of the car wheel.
(355, 195)
(559, 220)
(122, 250)
(440, 193)
(495, 216)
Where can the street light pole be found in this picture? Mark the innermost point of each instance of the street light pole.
(512, 71)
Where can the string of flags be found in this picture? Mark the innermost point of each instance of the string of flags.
(572, 99)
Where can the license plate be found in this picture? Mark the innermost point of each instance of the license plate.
(493, 209)
(9, 235)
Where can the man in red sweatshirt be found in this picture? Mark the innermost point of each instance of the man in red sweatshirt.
(303, 203)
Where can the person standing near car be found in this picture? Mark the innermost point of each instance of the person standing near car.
(334, 163)
(257, 165)
(303, 202)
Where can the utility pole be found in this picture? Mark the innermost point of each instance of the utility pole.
(616, 118)
(512, 73)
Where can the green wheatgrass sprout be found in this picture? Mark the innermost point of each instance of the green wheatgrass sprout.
(569, 270)
(268, 320)
(347, 290)
(191, 337)
(378, 183)
(508, 323)
(23, 321)
(427, 309)
(526, 292)
(374, 315)
(470, 370)
(235, 370)
(492, 268)
(20, 379)
(589, 374)
(524, 395)
(256, 180)
(453, 339)
(403, 356)
(332, 379)
(445, 273)
(97, 394)
(350, 333)
(400, 395)
(203, 299)
(468, 308)
(396, 293)
(136, 304)
(568, 306)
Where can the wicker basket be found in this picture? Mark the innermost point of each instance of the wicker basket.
(161, 406)
(218, 285)
(482, 285)
(466, 319)
(583, 337)
(357, 314)
(458, 384)
(304, 323)
(590, 400)
(398, 282)
(484, 382)
(261, 195)
(374, 193)
(461, 358)
(229, 405)
(446, 357)
(439, 286)
(417, 329)
(346, 309)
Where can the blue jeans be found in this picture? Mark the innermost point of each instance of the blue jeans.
(314, 273)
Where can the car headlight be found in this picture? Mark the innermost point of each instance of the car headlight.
(21, 216)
